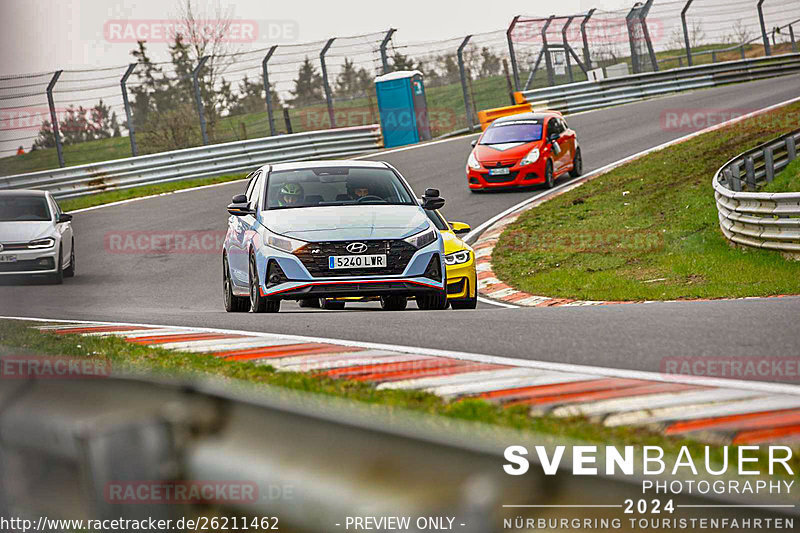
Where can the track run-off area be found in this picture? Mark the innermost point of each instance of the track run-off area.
(184, 289)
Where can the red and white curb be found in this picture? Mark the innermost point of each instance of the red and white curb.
(719, 411)
(486, 236)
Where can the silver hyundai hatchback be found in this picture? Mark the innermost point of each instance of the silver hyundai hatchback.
(320, 230)
(36, 238)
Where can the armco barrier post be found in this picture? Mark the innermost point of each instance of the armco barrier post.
(462, 72)
(198, 99)
(548, 61)
(791, 36)
(286, 120)
(767, 49)
(265, 74)
(328, 95)
(384, 55)
(587, 55)
(566, 48)
(127, 104)
(686, 32)
(53, 117)
(511, 54)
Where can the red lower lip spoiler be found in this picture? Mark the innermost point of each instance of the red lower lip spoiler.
(348, 282)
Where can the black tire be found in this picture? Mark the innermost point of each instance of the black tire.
(331, 305)
(233, 304)
(258, 303)
(549, 180)
(393, 303)
(465, 303)
(432, 301)
(311, 303)
(69, 272)
(58, 277)
(577, 164)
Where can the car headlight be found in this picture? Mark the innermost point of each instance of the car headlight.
(472, 161)
(39, 244)
(284, 244)
(423, 238)
(457, 258)
(532, 157)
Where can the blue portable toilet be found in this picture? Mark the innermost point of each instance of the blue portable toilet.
(403, 108)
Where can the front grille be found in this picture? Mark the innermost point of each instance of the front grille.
(28, 265)
(315, 255)
(501, 179)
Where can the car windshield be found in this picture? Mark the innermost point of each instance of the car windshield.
(332, 186)
(23, 208)
(509, 132)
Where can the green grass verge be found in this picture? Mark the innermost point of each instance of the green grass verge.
(786, 181)
(108, 197)
(17, 337)
(647, 230)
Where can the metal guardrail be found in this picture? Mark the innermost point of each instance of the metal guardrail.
(312, 460)
(759, 219)
(200, 162)
(588, 95)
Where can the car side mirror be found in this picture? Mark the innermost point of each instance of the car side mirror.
(64, 217)
(432, 200)
(239, 206)
(553, 137)
(474, 143)
(459, 228)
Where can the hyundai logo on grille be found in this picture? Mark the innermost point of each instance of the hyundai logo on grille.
(356, 248)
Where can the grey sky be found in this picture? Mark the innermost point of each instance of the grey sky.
(45, 35)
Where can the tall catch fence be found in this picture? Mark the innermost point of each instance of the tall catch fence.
(74, 117)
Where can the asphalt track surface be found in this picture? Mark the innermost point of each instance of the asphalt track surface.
(185, 289)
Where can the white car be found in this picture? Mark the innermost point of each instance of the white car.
(35, 236)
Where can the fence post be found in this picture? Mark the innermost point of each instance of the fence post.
(643, 21)
(128, 114)
(769, 164)
(287, 120)
(384, 44)
(791, 36)
(265, 75)
(632, 39)
(198, 99)
(328, 95)
(511, 54)
(791, 148)
(566, 46)
(686, 32)
(587, 56)
(767, 49)
(461, 70)
(53, 117)
(548, 61)
(508, 82)
(750, 173)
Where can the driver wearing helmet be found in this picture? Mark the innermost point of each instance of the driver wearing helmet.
(291, 194)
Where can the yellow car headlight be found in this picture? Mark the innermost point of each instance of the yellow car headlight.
(457, 258)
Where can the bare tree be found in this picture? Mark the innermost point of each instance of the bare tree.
(741, 32)
(697, 35)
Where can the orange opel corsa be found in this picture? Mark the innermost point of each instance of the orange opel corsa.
(523, 150)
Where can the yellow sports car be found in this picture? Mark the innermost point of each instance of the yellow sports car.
(459, 258)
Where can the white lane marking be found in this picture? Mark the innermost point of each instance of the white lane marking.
(129, 200)
(326, 363)
(423, 145)
(652, 401)
(761, 386)
(499, 304)
(713, 410)
(224, 345)
(508, 383)
(166, 332)
(432, 382)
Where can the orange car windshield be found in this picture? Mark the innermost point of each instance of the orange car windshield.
(527, 131)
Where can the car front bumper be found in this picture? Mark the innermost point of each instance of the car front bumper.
(519, 176)
(462, 280)
(30, 262)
